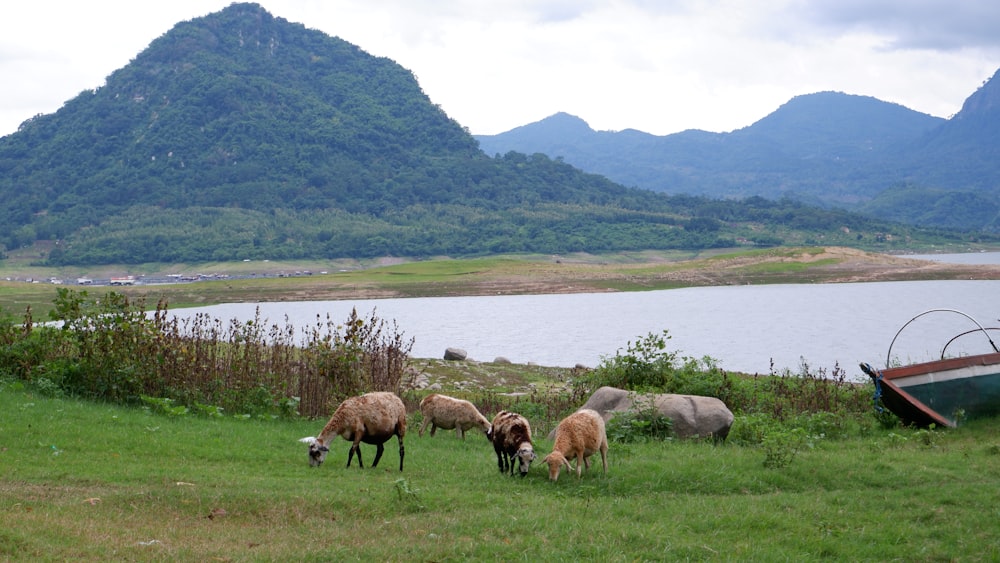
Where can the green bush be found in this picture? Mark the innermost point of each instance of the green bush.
(645, 365)
(641, 424)
(781, 447)
(111, 349)
(751, 429)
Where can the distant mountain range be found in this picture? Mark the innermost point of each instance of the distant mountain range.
(826, 148)
(240, 135)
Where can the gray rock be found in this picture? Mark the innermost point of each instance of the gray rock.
(455, 354)
(693, 416)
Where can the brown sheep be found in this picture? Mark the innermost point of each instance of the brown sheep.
(371, 418)
(511, 437)
(442, 411)
(578, 436)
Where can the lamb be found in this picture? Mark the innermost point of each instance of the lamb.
(511, 437)
(371, 418)
(578, 436)
(441, 411)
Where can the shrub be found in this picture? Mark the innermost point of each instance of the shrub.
(642, 423)
(112, 349)
(644, 365)
(751, 429)
(781, 447)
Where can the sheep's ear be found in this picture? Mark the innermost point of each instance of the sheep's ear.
(308, 440)
(534, 456)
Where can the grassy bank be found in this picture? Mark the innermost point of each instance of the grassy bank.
(86, 481)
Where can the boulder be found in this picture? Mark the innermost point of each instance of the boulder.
(455, 354)
(692, 416)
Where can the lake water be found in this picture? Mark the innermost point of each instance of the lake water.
(962, 258)
(745, 328)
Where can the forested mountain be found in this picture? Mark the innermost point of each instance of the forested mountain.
(241, 135)
(827, 148)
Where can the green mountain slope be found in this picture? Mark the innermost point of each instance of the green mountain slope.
(241, 135)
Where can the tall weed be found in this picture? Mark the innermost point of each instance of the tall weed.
(111, 349)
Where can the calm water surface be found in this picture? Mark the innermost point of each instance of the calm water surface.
(745, 328)
(963, 258)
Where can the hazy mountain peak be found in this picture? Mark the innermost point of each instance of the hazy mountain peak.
(560, 123)
(984, 101)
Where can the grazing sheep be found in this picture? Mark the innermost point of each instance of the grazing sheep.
(511, 437)
(372, 418)
(442, 411)
(578, 436)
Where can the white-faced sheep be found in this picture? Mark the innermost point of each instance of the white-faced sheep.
(442, 411)
(511, 437)
(371, 418)
(578, 436)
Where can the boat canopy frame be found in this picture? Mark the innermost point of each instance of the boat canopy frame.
(980, 328)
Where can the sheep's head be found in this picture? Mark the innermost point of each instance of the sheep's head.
(556, 460)
(525, 455)
(317, 451)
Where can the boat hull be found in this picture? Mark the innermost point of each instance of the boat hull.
(942, 392)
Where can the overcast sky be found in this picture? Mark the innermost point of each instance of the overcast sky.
(660, 66)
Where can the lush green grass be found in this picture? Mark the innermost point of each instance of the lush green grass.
(87, 481)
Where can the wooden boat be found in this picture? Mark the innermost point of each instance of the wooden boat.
(942, 392)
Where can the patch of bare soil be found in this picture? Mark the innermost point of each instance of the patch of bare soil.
(851, 265)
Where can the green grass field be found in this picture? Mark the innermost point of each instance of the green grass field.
(87, 481)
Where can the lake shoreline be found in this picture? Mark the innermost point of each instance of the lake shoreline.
(507, 275)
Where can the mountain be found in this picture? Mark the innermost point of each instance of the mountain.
(963, 152)
(240, 135)
(827, 148)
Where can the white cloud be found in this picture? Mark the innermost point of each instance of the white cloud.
(657, 66)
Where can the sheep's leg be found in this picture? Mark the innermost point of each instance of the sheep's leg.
(378, 455)
(424, 425)
(350, 455)
(401, 452)
(460, 432)
(580, 462)
(433, 429)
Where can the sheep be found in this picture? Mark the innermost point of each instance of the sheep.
(442, 411)
(371, 418)
(578, 436)
(511, 437)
